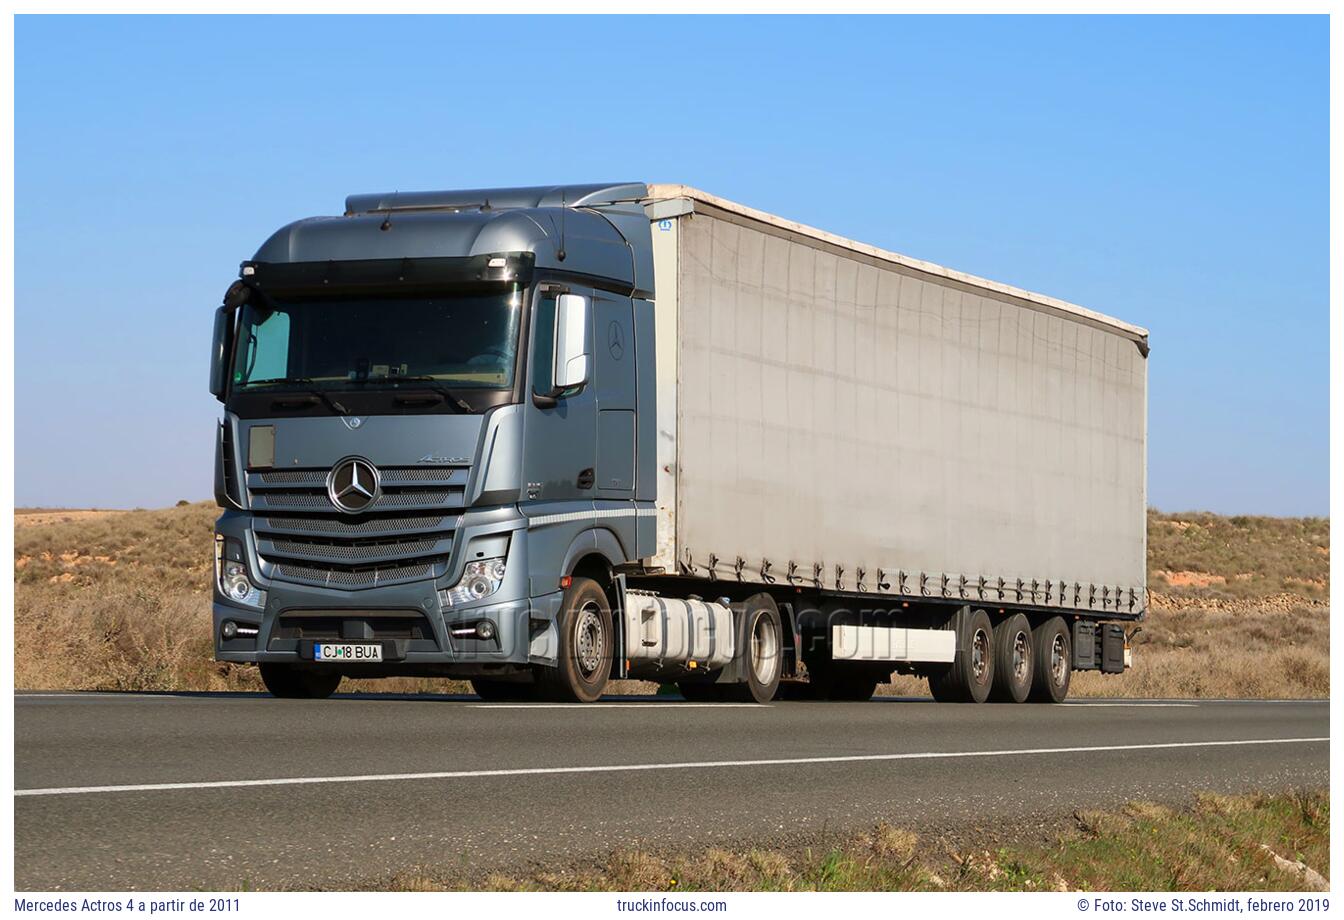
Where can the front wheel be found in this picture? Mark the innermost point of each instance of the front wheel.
(287, 682)
(583, 661)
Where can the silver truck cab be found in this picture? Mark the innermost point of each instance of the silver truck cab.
(438, 414)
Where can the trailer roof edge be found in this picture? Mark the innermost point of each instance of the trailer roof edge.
(665, 191)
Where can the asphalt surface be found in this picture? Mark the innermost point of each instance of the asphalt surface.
(116, 792)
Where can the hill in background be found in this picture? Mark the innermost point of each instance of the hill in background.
(121, 600)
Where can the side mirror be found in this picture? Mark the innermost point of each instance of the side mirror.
(572, 360)
(219, 352)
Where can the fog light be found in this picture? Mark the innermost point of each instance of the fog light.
(485, 630)
(229, 630)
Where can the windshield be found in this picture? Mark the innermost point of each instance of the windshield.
(460, 340)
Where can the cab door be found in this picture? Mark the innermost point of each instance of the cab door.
(559, 462)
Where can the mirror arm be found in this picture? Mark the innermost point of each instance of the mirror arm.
(544, 402)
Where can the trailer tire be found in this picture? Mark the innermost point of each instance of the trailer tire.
(1052, 646)
(503, 691)
(583, 660)
(1014, 660)
(760, 647)
(287, 682)
(971, 675)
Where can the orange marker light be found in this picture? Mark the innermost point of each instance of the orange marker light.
(566, 581)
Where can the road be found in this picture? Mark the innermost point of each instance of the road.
(222, 791)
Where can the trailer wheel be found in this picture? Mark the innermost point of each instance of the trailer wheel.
(971, 675)
(583, 661)
(287, 682)
(760, 645)
(503, 691)
(1014, 661)
(1053, 664)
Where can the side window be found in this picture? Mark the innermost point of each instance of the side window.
(543, 344)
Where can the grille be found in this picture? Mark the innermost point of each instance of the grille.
(388, 475)
(355, 550)
(351, 578)
(333, 526)
(313, 500)
(316, 544)
(302, 626)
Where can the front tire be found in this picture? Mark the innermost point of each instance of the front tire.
(287, 682)
(1052, 660)
(971, 675)
(583, 661)
(1014, 660)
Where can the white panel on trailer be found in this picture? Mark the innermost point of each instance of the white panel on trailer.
(881, 643)
(841, 410)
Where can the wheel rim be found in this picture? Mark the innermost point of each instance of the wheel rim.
(589, 639)
(1021, 656)
(764, 650)
(1059, 663)
(980, 656)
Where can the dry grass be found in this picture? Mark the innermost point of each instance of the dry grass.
(1220, 843)
(1211, 556)
(121, 600)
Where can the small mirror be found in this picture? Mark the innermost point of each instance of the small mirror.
(571, 342)
(219, 353)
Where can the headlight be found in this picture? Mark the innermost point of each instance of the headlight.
(480, 579)
(231, 574)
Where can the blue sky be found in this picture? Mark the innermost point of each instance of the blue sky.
(1171, 171)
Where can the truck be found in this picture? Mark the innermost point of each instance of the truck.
(549, 437)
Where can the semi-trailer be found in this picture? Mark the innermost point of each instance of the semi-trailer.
(544, 438)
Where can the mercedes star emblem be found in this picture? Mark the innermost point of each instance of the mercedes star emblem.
(352, 484)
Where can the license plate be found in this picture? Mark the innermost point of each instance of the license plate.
(345, 652)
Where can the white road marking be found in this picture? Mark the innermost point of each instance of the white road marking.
(639, 767)
(614, 705)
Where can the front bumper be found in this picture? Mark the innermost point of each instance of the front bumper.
(415, 628)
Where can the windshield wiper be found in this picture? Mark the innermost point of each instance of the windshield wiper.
(308, 390)
(432, 384)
